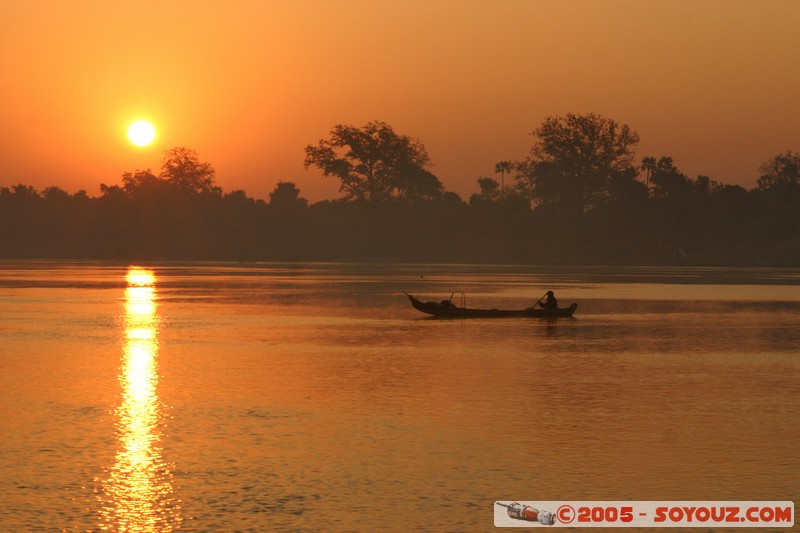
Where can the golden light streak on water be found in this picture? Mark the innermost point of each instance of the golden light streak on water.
(138, 495)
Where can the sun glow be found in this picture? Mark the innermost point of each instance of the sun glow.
(138, 494)
(141, 133)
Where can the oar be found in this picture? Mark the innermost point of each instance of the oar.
(540, 299)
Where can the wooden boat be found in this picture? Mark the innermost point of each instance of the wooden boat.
(446, 308)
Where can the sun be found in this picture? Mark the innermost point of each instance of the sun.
(141, 133)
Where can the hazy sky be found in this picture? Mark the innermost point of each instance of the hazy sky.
(714, 84)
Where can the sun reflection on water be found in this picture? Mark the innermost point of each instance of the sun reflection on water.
(138, 495)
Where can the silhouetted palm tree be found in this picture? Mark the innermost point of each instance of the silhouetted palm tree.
(501, 168)
(648, 165)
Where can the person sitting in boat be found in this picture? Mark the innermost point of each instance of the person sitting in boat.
(551, 303)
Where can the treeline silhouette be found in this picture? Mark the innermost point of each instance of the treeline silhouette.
(577, 198)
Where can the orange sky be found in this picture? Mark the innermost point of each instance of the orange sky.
(714, 84)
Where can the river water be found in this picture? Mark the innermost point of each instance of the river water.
(257, 397)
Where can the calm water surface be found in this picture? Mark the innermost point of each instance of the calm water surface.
(226, 397)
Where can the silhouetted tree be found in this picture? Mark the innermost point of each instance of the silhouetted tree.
(503, 168)
(239, 199)
(182, 167)
(489, 192)
(23, 223)
(575, 158)
(374, 163)
(781, 173)
(704, 185)
(55, 195)
(141, 181)
(488, 196)
(450, 199)
(649, 166)
(625, 190)
(668, 181)
(172, 216)
(286, 196)
(418, 184)
(24, 194)
(778, 201)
